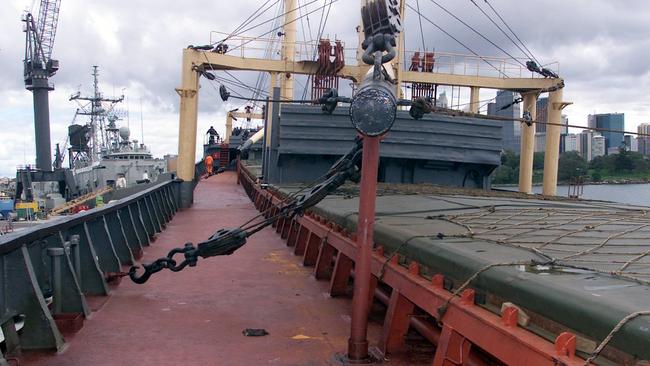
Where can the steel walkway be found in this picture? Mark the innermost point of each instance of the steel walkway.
(196, 317)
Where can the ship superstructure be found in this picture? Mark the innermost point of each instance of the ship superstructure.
(100, 152)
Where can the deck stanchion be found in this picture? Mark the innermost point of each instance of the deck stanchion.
(323, 266)
(301, 242)
(293, 233)
(396, 322)
(340, 275)
(311, 250)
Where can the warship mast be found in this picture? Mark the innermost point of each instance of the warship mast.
(103, 131)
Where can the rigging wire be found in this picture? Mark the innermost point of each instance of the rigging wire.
(259, 91)
(273, 19)
(248, 20)
(501, 29)
(321, 30)
(311, 34)
(268, 52)
(302, 23)
(417, 3)
(456, 113)
(477, 32)
(322, 14)
(513, 32)
(273, 30)
(236, 84)
(458, 41)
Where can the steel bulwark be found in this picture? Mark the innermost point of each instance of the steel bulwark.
(91, 278)
(147, 220)
(138, 225)
(46, 272)
(130, 232)
(109, 261)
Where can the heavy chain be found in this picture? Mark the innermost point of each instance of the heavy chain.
(227, 241)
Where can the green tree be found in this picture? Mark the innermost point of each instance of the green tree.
(598, 163)
(505, 175)
(538, 160)
(596, 176)
(571, 165)
(509, 158)
(622, 162)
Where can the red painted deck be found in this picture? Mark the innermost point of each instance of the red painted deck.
(196, 317)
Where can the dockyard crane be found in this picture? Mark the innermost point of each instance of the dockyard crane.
(39, 67)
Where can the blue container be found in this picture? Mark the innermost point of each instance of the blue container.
(6, 207)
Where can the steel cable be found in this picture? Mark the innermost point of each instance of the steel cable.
(458, 41)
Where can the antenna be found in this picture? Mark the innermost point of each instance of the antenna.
(128, 111)
(141, 124)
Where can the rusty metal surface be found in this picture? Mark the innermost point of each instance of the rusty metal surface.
(466, 330)
(197, 317)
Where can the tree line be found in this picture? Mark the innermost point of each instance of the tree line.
(624, 165)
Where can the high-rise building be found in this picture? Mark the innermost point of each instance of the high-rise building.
(586, 137)
(572, 142)
(643, 129)
(541, 126)
(591, 121)
(511, 130)
(540, 142)
(631, 143)
(609, 121)
(597, 146)
(441, 101)
(564, 130)
(644, 145)
(542, 115)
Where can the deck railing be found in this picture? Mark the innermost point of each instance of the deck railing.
(453, 63)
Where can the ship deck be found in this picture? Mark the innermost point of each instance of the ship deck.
(196, 317)
(581, 265)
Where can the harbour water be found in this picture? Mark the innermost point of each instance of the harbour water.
(635, 194)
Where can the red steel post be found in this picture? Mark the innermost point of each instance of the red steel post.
(358, 342)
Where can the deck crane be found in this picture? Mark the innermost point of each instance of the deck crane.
(39, 67)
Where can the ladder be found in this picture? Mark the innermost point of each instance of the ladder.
(224, 156)
(79, 200)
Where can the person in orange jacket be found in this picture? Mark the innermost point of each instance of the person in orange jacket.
(208, 164)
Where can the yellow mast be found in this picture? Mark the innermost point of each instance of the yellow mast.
(398, 61)
(234, 115)
(288, 48)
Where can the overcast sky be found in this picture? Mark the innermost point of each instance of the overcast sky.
(602, 47)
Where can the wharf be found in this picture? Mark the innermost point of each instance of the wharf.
(196, 317)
